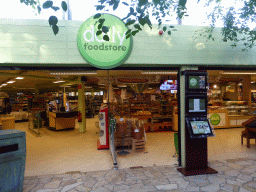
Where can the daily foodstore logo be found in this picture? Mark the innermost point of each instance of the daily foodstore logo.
(215, 119)
(193, 82)
(100, 53)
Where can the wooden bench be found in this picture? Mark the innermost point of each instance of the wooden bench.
(248, 135)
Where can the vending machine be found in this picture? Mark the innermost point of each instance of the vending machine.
(103, 142)
(197, 126)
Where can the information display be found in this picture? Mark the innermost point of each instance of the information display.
(196, 82)
(199, 127)
(197, 105)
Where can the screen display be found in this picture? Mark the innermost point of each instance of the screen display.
(197, 82)
(197, 105)
(200, 127)
(169, 85)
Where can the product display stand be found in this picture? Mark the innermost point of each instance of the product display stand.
(123, 152)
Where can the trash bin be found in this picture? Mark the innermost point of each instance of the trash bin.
(12, 160)
(176, 142)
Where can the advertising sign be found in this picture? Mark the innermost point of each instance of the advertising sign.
(98, 52)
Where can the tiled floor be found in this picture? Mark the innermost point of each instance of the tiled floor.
(237, 175)
(69, 151)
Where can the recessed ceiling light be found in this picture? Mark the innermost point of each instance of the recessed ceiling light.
(19, 77)
(59, 81)
(10, 82)
(74, 73)
(121, 85)
(4, 84)
(65, 86)
(159, 72)
(238, 73)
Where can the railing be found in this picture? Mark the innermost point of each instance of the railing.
(112, 127)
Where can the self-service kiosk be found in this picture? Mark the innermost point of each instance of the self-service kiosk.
(197, 126)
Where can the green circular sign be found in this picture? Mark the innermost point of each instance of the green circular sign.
(193, 82)
(215, 119)
(98, 52)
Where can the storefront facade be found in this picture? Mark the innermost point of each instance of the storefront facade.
(31, 43)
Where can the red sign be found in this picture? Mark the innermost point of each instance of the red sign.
(79, 86)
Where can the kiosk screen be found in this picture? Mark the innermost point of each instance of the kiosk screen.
(196, 105)
(197, 82)
(199, 127)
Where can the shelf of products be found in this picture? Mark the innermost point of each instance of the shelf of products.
(157, 113)
(20, 103)
(228, 114)
(237, 108)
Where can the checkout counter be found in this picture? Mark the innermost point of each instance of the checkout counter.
(7, 122)
(62, 120)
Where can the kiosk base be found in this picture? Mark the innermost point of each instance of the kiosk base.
(99, 146)
(186, 172)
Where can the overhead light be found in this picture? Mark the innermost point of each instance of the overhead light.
(65, 86)
(160, 72)
(4, 84)
(253, 82)
(215, 86)
(10, 82)
(102, 84)
(19, 78)
(239, 73)
(121, 85)
(87, 87)
(74, 73)
(59, 81)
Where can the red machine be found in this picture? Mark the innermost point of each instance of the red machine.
(103, 142)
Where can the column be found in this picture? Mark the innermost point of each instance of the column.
(182, 115)
(246, 90)
(81, 106)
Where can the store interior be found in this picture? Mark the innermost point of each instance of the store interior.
(31, 98)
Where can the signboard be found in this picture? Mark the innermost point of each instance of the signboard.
(98, 52)
(217, 119)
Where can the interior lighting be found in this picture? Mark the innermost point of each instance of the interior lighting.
(4, 84)
(121, 85)
(159, 72)
(59, 81)
(239, 73)
(19, 77)
(87, 87)
(75, 73)
(253, 82)
(10, 82)
(214, 86)
(65, 86)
